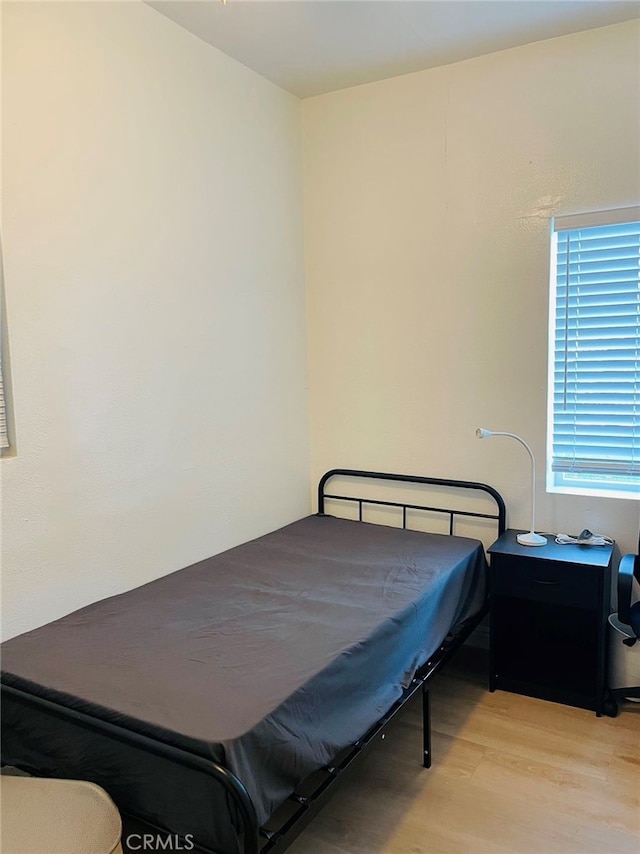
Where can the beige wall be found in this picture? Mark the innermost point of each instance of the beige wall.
(152, 235)
(153, 253)
(427, 206)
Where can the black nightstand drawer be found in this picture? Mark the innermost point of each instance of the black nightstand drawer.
(547, 581)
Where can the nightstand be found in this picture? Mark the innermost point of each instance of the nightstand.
(548, 620)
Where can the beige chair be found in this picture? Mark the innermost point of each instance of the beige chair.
(57, 817)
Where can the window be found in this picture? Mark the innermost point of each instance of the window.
(594, 364)
(4, 430)
(4, 440)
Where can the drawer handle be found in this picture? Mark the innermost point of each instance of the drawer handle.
(542, 581)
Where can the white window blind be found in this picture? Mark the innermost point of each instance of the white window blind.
(594, 399)
(4, 441)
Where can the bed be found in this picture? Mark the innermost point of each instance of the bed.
(223, 702)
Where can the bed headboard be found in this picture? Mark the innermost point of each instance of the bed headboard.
(499, 515)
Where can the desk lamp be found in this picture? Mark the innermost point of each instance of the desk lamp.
(531, 538)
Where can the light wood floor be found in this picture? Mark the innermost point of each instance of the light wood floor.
(510, 775)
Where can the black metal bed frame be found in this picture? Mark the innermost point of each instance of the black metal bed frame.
(253, 839)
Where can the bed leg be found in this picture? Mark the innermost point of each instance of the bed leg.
(426, 728)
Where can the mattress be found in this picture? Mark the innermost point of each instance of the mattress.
(269, 658)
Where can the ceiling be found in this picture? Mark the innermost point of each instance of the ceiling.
(314, 46)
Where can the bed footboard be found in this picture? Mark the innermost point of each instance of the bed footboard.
(248, 826)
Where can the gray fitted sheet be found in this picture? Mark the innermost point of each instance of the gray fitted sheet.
(271, 657)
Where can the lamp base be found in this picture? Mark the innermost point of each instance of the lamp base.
(531, 539)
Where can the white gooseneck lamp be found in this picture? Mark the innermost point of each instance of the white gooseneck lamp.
(531, 538)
